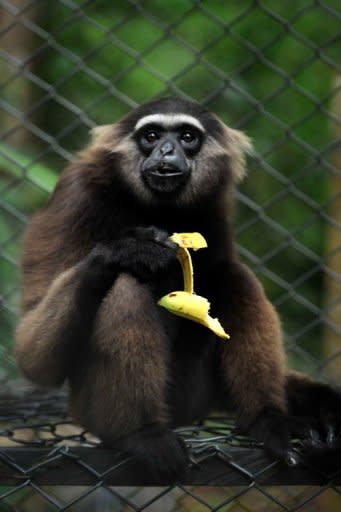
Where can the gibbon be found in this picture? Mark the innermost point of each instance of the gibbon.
(97, 258)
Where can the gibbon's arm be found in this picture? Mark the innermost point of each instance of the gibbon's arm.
(252, 360)
(272, 403)
(49, 335)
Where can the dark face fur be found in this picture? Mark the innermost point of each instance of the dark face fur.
(172, 150)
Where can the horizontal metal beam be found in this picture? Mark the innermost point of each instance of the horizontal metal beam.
(89, 466)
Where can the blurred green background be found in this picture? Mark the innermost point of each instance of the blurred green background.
(269, 68)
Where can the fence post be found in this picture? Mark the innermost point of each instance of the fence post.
(18, 42)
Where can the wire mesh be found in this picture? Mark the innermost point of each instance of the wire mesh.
(269, 68)
(43, 453)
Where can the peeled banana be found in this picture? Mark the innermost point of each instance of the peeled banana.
(186, 303)
(187, 241)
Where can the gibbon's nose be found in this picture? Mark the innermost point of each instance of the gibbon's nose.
(167, 148)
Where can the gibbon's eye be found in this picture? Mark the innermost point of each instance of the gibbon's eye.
(190, 140)
(151, 136)
(148, 138)
(188, 137)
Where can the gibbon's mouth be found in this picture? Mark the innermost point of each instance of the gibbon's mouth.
(165, 179)
(166, 171)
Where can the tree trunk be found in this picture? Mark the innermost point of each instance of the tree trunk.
(17, 42)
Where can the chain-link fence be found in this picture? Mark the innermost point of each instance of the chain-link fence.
(268, 68)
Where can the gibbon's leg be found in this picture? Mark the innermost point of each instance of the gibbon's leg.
(50, 335)
(252, 360)
(122, 394)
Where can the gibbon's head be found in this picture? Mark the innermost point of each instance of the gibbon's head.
(174, 150)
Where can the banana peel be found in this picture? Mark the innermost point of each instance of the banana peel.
(186, 303)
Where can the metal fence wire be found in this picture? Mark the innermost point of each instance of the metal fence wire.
(268, 68)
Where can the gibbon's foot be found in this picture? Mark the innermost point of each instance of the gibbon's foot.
(315, 405)
(315, 409)
(314, 440)
(158, 452)
(318, 432)
(322, 457)
(272, 427)
(328, 413)
(317, 443)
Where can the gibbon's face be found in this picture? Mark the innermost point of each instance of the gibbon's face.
(170, 144)
(173, 150)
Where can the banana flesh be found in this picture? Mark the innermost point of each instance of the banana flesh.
(187, 241)
(186, 303)
(193, 241)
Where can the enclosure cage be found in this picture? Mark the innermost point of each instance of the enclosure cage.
(268, 68)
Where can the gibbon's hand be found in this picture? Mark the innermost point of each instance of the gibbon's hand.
(146, 253)
(143, 252)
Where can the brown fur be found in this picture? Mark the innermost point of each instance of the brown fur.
(255, 358)
(143, 353)
(130, 364)
(37, 349)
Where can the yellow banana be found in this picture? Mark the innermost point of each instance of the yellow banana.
(193, 241)
(194, 307)
(186, 303)
(187, 241)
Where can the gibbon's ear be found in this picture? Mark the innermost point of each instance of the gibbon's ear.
(240, 145)
(237, 145)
